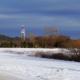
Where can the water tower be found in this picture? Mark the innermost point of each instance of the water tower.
(23, 33)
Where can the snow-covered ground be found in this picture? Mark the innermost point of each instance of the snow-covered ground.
(33, 68)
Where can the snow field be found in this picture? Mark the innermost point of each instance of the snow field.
(32, 68)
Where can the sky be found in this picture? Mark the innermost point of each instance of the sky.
(37, 14)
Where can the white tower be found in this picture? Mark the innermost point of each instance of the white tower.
(23, 33)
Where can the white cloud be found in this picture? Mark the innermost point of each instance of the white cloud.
(33, 13)
(8, 10)
(31, 20)
(2, 16)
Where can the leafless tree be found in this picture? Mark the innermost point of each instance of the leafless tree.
(51, 31)
(47, 30)
(54, 31)
(31, 36)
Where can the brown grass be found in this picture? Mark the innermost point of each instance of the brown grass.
(74, 55)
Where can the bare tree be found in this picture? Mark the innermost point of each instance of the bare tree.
(47, 30)
(31, 36)
(51, 31)
(54, 31)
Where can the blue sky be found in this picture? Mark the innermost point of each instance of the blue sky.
(37, 14)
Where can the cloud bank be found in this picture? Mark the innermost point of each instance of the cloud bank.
(64, 14)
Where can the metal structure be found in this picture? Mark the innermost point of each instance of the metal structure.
(23, 33)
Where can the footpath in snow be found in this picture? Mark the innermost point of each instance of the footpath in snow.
(24, 67)
(6, 77)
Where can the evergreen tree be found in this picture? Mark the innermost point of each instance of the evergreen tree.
(11, 44)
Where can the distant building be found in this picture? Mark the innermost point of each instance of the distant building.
(23, 33)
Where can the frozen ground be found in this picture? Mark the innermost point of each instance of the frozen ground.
(33, 68)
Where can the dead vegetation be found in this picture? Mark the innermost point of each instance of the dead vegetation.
(73, 55)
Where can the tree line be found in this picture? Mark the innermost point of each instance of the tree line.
(51, 40)
(7, 38)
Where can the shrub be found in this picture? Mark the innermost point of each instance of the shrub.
(73, 56)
